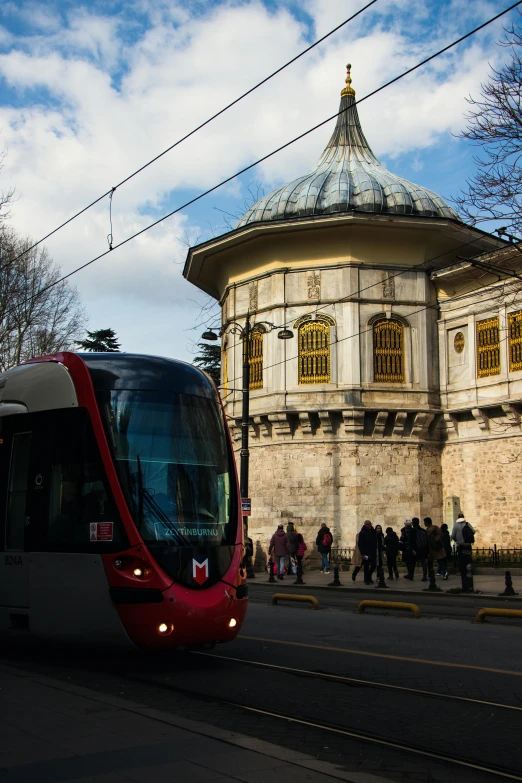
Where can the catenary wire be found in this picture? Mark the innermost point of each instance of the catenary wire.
(237, 100)
(268, 155)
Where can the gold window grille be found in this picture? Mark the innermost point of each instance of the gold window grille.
(515, 341)
(225, 367)
(488, 347)
(255, 359)
(314, 352)
(388, 351)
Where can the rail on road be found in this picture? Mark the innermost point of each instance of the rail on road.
(289, 597)
(493, 612)
(390, 605)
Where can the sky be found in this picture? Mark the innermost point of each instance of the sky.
(91, 91)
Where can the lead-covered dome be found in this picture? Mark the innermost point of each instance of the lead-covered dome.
(347, 177)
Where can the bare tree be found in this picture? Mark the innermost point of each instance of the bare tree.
(495, 125)
(6, 196)
(37, 314)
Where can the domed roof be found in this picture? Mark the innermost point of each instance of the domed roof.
(347, 177)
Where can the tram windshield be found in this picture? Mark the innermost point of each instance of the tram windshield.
(172, 458)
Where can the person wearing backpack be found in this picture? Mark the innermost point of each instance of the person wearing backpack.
(423, 547)
(324, 543)
(436, 552)
(464, 536)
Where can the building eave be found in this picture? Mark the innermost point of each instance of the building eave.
(200, 254)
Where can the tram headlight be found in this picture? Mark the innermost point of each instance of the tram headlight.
(118, 564)
(138, 572)
(232, 622)
(164, 629)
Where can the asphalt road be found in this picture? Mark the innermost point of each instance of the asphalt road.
(439, 605)
(373, 693)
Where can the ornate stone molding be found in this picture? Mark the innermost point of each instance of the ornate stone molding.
(481, 418)
(380, 423)
(314, 285)
(511, 415)
(388, 286)
(253, 298)
(353, 422)
(305, 423)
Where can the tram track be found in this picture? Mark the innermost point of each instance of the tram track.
(374, 739)
(358, 681)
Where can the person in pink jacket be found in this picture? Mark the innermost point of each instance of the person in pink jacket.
(280, 546)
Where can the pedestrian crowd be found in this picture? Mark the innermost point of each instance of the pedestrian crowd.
(424, 545)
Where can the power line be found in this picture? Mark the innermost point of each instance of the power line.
(274, 152)
(195, 130)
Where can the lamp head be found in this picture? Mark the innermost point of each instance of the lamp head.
(209, 335)
(285, 334)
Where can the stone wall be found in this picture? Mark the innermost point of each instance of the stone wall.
(342, 484)
(487, 477)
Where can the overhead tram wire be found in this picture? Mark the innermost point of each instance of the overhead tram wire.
(110, 192)
(274, 152)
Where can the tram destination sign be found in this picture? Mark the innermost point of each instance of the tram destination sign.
(246, 506)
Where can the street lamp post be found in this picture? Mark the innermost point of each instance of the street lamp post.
(245, 418)
(244, 333)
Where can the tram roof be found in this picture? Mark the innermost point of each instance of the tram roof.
(140, 372)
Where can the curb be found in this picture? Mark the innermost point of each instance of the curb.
(229, 737)
(391, 591)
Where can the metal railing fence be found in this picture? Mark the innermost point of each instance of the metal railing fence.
(494, 556)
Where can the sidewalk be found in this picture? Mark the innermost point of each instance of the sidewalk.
(487, 584)
(55, 732)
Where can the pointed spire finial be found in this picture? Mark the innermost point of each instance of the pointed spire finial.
(348, 90)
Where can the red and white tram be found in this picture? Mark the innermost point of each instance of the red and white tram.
(119, 506)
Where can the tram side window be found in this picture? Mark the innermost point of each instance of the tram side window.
(79, 497)
(17, 492)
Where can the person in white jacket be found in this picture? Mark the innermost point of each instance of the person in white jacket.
(459, 535)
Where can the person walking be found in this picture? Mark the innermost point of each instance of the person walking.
(446, 540)
(422, 547)
(392, 547)
(464, 536)
(324, 543)
(436, 551)
(280, 547)
(291, 534)
(368, 549)
(249, 556)
(301, 549)
(356, 560)
(409, 548)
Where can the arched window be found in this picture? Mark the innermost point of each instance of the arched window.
(255, 358)
(388, 350)
(515, 341)
(314, 348)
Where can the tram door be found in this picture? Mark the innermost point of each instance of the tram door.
(15, 457)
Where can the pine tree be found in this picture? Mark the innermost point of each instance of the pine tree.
(100, 341)
(209, 359)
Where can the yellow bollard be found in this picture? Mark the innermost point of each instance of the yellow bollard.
(483, 613)
(390, 605)
(286, 597)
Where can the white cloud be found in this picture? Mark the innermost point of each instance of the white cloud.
(109, 99)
